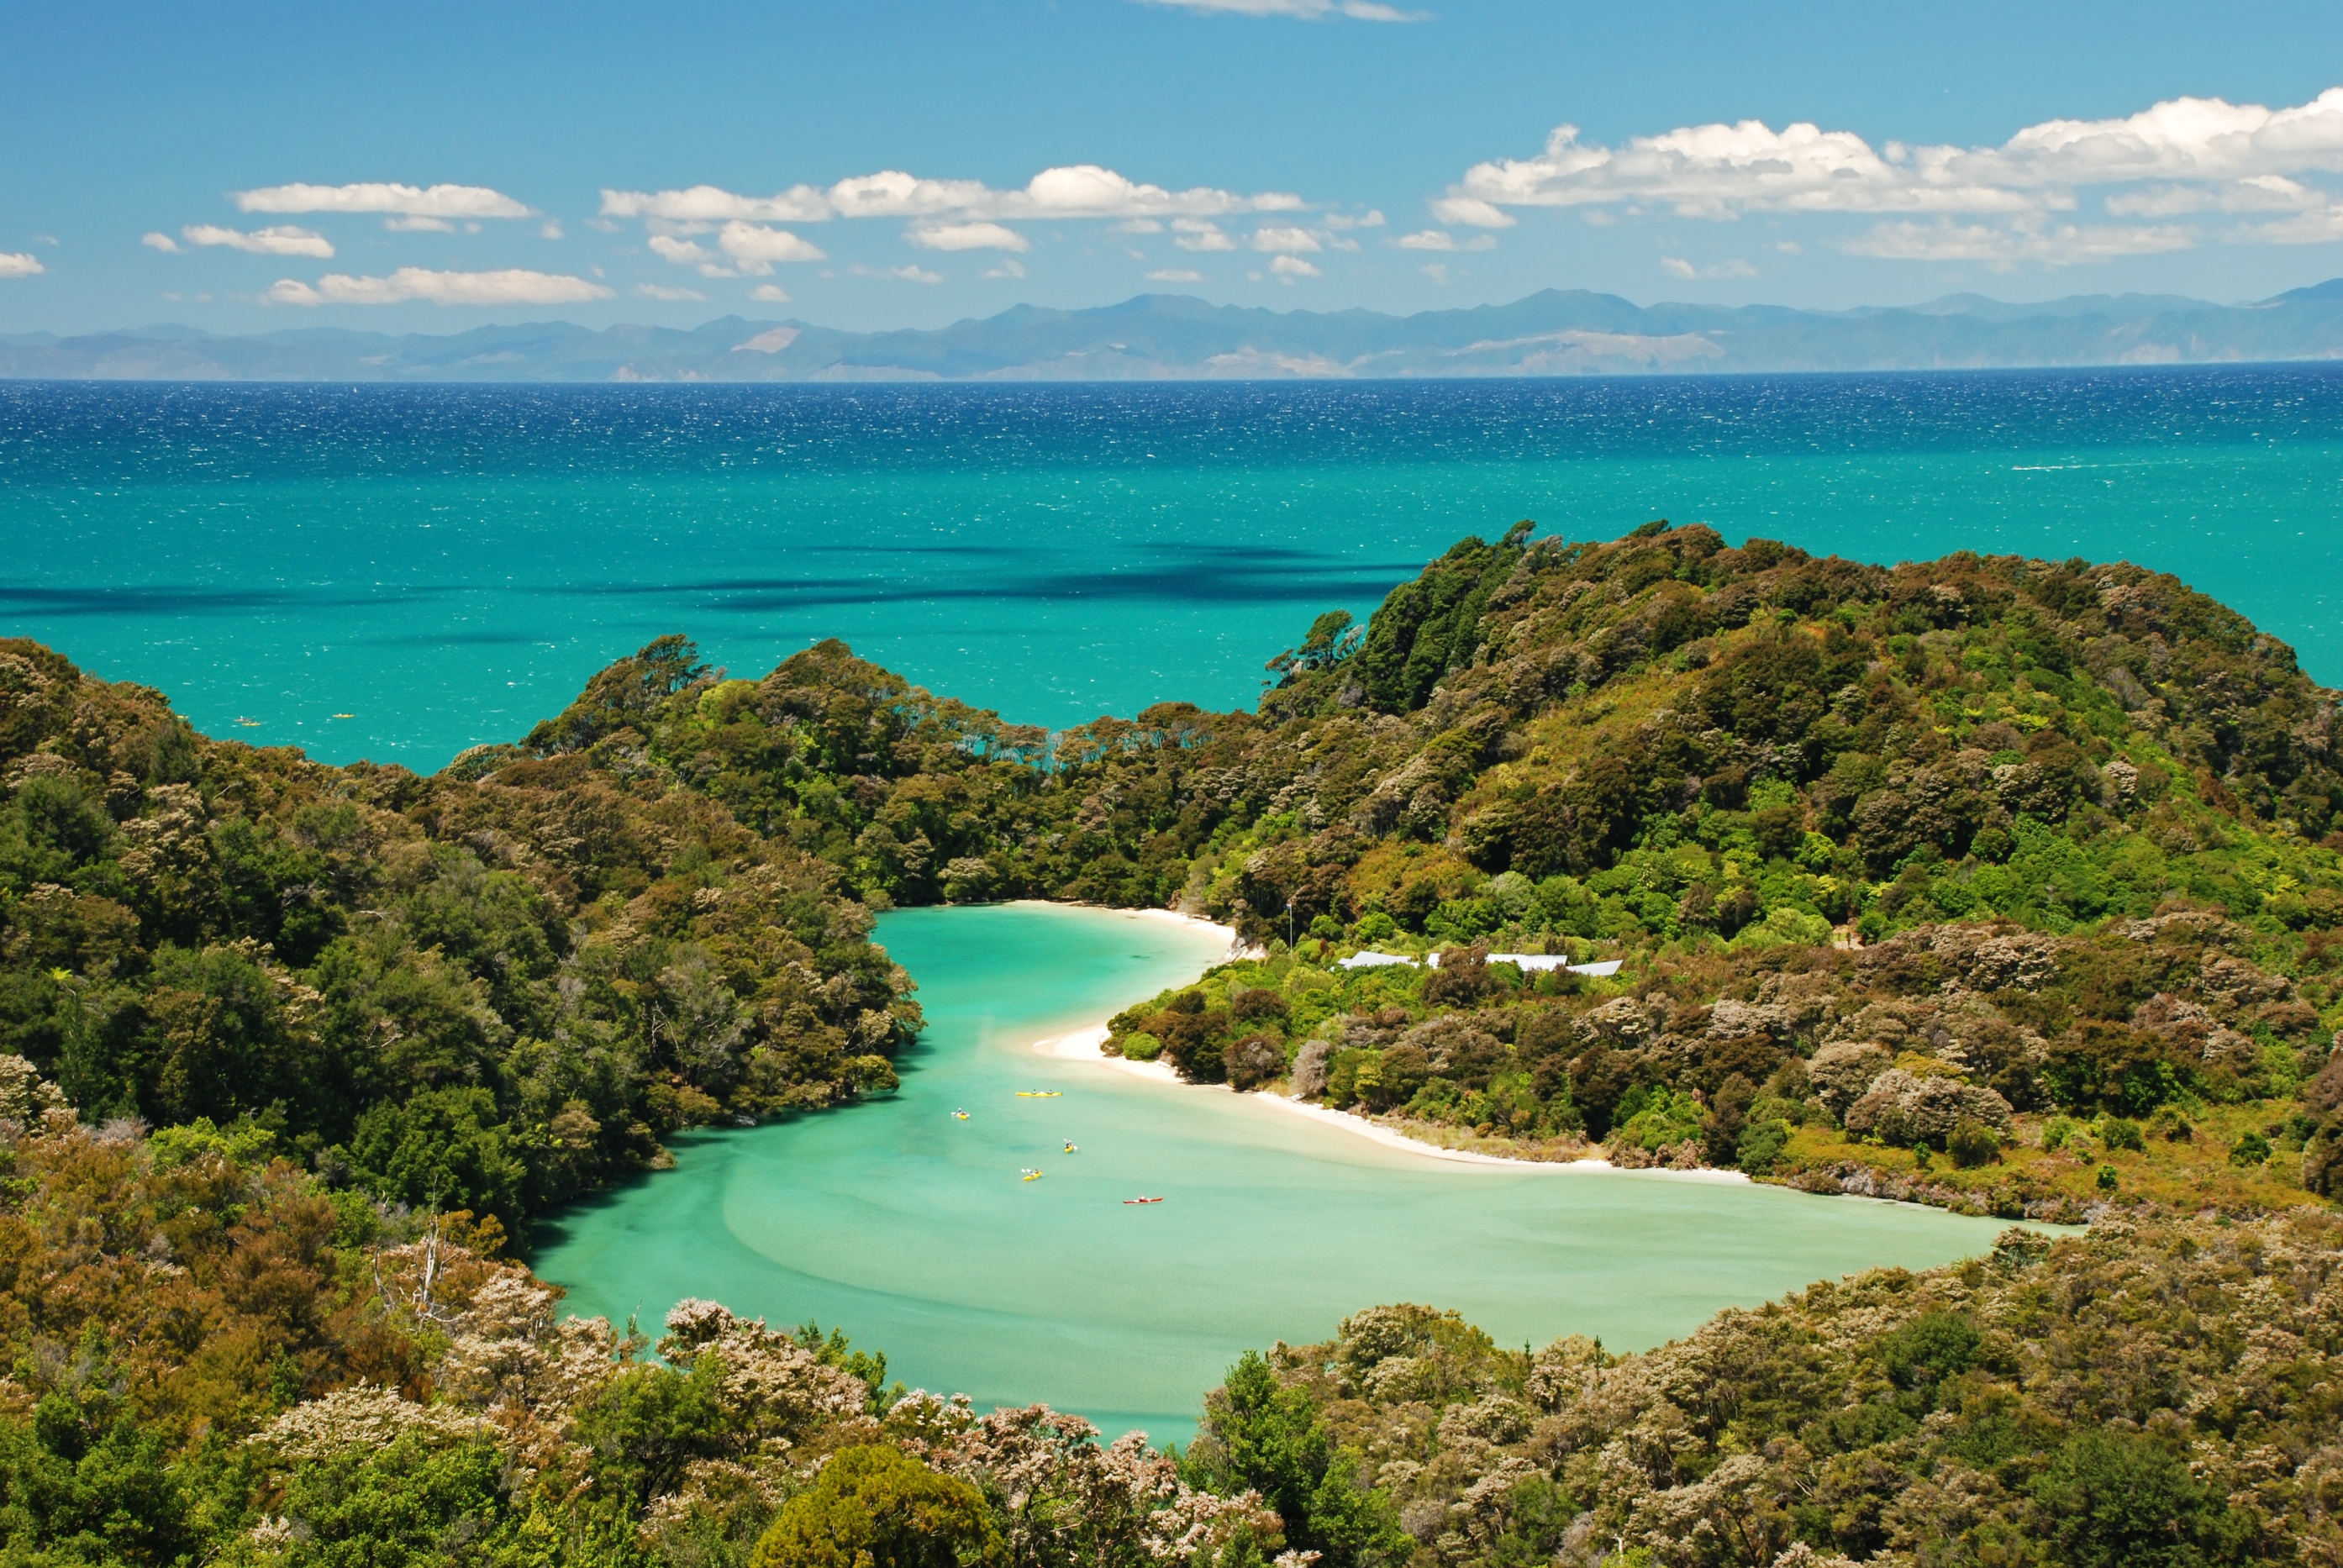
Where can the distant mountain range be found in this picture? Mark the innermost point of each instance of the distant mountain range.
(1157, 336)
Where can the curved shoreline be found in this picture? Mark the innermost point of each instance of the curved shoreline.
(1083, 1046)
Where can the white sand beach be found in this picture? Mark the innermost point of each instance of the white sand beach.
(1084, 1046)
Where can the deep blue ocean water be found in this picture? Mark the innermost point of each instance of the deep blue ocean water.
(448, 564)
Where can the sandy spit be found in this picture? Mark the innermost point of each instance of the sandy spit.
(1083, 1046)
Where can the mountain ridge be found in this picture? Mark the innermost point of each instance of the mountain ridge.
(1158, 336)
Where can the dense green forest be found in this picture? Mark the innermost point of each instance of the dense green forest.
(2007, 885)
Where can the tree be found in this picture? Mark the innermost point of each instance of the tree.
(1274, 1441)
(876, 1507)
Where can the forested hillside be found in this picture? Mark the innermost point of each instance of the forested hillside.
(481, 996)
(2007, 885)
(2042, 854)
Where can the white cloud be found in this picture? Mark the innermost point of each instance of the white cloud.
(1288, 268)
(1437, 271)
(1471, 212)
(771, 293)
(410, 201)
(1138, 225)
(2181, 156)
(1175, 275)
(20, 264)
(162, 241)
(1371, 219)
(1071, 191)
(511, 286)
(660, 291)
(754, 249)
(749, 250)
(1680, 267)
(2001, 246)
(1309, 10)
(1009, 267)
(552, 230)
(907, 273)
(966, 237)
(1286, 239)
(1440, 240)
(1198, 234)
(682, 252)
(278, 239)
(707, 203)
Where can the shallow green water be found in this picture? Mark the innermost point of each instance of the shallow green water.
(915, 1232)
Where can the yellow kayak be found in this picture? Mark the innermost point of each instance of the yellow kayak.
(1038, 1094)
(1032, 1175)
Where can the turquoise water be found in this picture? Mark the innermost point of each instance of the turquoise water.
(916, 1233)
(448, 564)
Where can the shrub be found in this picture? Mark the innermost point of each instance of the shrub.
(1762, 1143)
(2115, 1132)
(2107, 1179)
(1972, 1144)
(1375, 926)
(1142, 1047)
(2169, 1124)
(2056, 1131)
(2250, 1149)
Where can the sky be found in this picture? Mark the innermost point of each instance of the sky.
(432, 166)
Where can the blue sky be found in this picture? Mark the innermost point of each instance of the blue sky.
(431, 167)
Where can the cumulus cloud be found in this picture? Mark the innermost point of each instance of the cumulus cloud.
(1199, 234)
(1286, 239)
(907, 273)
(20, 264)
(771, 293)
(660, 291)
(1071, 191)
(1440, 240)
(278, 239)
(2182, 156)
(1309, 10)
(409, 201)
(754, 249)
(743, 249)
(416, 224)
(707, 203)
(968, 237)
(510, 286)
(1009, 267)
(1175, 275)
(1288, 268)
(1678, 266)
(162, 241)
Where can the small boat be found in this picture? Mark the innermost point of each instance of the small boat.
(1069, 1147)
(345, 716)
(1032, 1176)
(959, 1116)
(249, 723)
(1142, 1198)
(1038, 1094)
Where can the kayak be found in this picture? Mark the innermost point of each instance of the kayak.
(1039, 1093)
(1032, 1175)
(1143, 1200)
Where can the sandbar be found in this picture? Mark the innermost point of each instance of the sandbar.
(1084, 1045)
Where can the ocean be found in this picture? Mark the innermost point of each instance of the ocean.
(446, 565)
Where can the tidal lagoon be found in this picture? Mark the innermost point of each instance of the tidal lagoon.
(917, 1232)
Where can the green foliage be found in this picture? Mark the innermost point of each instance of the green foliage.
(501, 985)
(874, 1506)
(1271, 1439)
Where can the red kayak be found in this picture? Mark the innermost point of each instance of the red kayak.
(1143, 1200)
